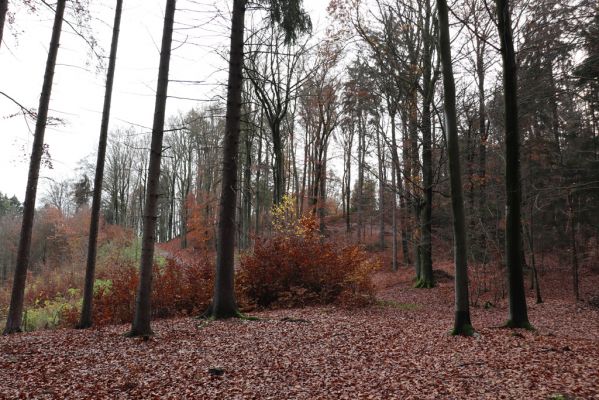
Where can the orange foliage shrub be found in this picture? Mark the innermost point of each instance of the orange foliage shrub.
(177, 289)
(295, 267)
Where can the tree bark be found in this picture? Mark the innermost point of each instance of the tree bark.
(426, 260)
(462, 324)
(223, 303)
(3, 11)
(518, 315)
(15, 312)
(92, 247)
(141, 322)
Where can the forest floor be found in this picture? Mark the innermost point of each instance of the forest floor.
(397, 349)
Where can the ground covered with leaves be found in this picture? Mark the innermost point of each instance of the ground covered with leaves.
(398, 348)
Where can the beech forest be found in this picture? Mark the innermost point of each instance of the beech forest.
(298, 199)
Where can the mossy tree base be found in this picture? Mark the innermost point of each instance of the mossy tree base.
(462, 325)
(424, 284)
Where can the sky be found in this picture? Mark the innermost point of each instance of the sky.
(198, 53)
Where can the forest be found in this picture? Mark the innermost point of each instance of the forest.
(400, 202)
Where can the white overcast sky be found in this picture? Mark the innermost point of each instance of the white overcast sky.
(78, 89)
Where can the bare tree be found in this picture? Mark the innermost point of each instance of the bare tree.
(141, 322)
(13, 321)
(92, 247)
(462, 324)
(518, 314)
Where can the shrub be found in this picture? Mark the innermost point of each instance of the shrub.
(177, 289)
(297, 267)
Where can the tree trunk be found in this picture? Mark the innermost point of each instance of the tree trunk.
(381, 168)
(92, 247)
(3, 11)
(426, 260)
(518, 315)
(15, 312)
(223, 303)
(394, 217)
(462, 324)
(573, 247)
(141, 321)
(279, 170)
(398, 187)
(482, 157)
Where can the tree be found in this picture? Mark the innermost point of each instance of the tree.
(518, 315)
(3, 11)
(291, 17)
(92, 247)
(13, 321)
(141, 321)
(462, 324)
(272, 69)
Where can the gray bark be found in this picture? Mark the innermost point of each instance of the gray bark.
(141, 322)
(92, 247)
(15, 312)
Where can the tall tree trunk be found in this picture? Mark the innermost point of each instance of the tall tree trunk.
(3, 11)
(279, 170)
(15, 312)
(223, 303)
(360, 188)
(426, 259)
(141, 322)
(462, 324)
(482, 155)
(88, 290)
(531, 244)
(381, 168)
(258, 170)
(573, 247)
(518, 315)
(394, 217)
(398, 187)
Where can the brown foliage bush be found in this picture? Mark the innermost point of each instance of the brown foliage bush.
(296, 267)
(177, 289)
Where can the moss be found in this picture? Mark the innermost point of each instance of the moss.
(422, 283)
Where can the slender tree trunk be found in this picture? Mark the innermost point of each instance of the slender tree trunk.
(279, 170)
(426, 259)
(573, 248)
(258, 173)
(88, 291)
(360, 188)
(15, 312)
(482, 157)
(398, 187)
(531, 244)
(462, 324)
(347, 183)
(3, 11)
(518, 315)
(381, 167)
(223, 303)
(141, 322)
(394, 217)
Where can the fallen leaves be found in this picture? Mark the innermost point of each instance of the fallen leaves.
(381, 352)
